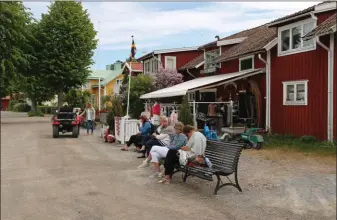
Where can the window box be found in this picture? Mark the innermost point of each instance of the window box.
(290, 37)
(295, 92)
(246, 63)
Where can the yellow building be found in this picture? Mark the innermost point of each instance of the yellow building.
(111, 80)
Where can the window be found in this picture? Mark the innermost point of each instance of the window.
(147, 67)
(118, 86)
(170, 62)
(112, 67)
(92, 99)
(208, 95)
(295, 92)
(191, 96)
(290, 37)
(246, 63)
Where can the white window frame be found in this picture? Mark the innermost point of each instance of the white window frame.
(289, 27)
(208, 90)
(295, 83)
(191, 96)
(146, 63)
(174, 61)
(246, 58)
(208, 66)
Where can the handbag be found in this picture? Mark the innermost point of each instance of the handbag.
(183, 157)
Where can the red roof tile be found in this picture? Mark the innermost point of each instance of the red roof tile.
(136, 66)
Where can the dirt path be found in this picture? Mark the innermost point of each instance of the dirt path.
(84, 178)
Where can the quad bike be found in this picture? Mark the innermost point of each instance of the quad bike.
(253, 137)
(66, 120)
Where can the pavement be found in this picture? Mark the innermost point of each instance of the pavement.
(85, 178)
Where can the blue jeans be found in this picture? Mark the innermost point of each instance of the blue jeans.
(90, 126)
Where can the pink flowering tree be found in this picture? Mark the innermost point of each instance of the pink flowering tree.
(166, 78)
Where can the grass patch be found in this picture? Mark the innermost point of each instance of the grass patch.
(35, 114)
(308, 145)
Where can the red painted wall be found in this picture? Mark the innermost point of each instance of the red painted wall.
(323, 16)
(4, 104)
(300, 120)
(182, 57)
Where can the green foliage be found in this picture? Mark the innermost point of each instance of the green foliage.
(68, 39)
(11, 104)
(308, 139)
(115, 111)
(105, 99)
(77, 98)
(14, 44)
(21, 107)
(306, 144)
(185, 115)
(140, 85)
(35, 114)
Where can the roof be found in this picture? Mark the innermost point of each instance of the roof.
(326, 27)
(135, 66)
(106, 75)
(173, 50)
(257, 39)
(182, 88)
(193, 63)
(298, 14)
(241, 34)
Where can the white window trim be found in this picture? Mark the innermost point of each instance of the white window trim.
(289, 27)
(285, 83)
(174, 61)
(147, 62)
(246, 58)
(205, 52)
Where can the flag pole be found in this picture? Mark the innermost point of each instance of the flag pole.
(128, 104)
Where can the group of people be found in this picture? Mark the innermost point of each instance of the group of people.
(166, 143)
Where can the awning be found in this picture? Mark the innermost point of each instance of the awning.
(182, 88)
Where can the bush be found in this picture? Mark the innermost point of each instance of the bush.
(308, 139)
(21, 107)
(11, 104)
(116, 111)
(185, 116)
(35, 114)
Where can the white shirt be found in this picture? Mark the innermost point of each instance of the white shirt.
(89, 113)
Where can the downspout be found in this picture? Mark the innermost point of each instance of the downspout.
(188, 71)
(330, 86)
(267, 90)
(330, 80)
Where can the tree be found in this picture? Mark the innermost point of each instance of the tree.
(166, 78)
(77, 98)
(185, 116)
(14, 19)
(116, 111)
(140, 85)
(68, 39)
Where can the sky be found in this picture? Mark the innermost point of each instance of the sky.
(164, 25)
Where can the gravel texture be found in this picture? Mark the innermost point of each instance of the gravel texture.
(85, 178)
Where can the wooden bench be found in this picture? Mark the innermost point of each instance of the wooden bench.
(224, 157)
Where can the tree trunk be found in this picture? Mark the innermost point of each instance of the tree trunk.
(34, 105)
(59, 99)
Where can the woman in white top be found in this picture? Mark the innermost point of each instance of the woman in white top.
(90, 117)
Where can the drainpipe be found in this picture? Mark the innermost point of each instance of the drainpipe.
(267, 88)
(188, 71)
(330, 85)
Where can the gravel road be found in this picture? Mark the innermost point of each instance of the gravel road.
(84, 178)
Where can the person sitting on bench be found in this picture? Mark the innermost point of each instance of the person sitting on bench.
(196, 145)
(137, 139)
(162, 139)
(159, 152)
(150, 136)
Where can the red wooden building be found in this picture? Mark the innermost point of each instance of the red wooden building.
(303, 73)
(287, 65)
(168, 58)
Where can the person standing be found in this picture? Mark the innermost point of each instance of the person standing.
(90, 117)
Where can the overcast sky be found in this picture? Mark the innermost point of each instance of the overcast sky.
(170, 25)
